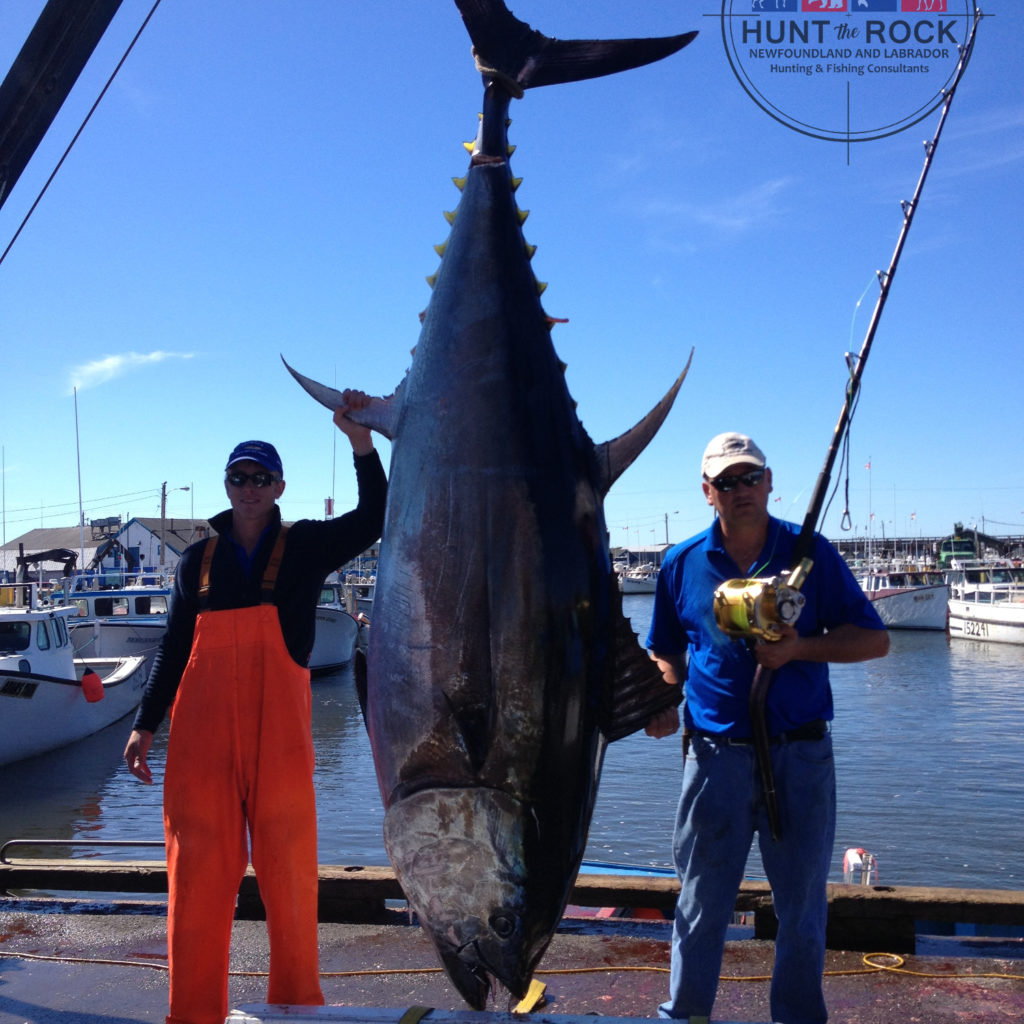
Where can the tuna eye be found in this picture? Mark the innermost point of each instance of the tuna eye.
(503, 925)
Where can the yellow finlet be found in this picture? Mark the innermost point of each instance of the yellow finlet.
(530, 250)
(439, 249)
(449, 215)
(460, 183)
(432, 280)
(516, 182)
(534, 998)
(541, 287)
(469, 146)
(523, 214)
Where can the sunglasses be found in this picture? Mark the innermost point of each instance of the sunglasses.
(259, 479)
(730, 483)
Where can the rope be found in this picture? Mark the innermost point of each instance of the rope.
(870, 967)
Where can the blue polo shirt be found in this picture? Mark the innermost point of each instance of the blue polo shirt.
(721, 669)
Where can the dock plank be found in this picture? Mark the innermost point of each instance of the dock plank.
(860, 917)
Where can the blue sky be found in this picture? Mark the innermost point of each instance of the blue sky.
(269, 177)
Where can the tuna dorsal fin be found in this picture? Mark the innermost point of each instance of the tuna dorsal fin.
(380, 415)
(616, 456)
(638, 689)
(523, 58)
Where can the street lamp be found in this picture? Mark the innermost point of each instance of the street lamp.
(163, 514)
(666, 523)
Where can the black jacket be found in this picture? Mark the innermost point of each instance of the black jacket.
(313, 549)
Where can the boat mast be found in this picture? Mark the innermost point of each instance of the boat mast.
(81, 513)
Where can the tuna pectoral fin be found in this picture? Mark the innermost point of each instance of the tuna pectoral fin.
(639, 690)
(616, 456)
(380, 415)
(510, 48)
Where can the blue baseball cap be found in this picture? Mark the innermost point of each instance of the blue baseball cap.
(262, 452)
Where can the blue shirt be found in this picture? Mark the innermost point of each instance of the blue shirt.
(721, 669)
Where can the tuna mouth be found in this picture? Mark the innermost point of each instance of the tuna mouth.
(475, 977)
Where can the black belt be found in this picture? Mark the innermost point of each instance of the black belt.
(816, 730)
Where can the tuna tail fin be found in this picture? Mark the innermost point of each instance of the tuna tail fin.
(523, 58)
(380, 415)
(616, 456)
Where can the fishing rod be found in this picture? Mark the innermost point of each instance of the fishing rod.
(753, 609)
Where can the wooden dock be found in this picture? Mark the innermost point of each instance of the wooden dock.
(861, 918)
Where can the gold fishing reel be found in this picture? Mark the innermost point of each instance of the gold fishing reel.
(755, 608)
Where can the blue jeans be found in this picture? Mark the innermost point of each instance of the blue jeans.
(720, 810)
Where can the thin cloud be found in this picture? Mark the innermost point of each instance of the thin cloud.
(99, 371)
(995, 142)
(741, 211)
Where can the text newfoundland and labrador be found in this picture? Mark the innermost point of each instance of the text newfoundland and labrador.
(890, 41)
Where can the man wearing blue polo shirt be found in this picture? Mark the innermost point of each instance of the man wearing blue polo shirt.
(722, 803)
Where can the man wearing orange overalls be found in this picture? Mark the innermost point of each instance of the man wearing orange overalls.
(232, 668)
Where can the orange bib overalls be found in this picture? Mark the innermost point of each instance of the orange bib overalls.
(240, 756)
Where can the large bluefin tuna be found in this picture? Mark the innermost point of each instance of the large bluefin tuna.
(501, 663)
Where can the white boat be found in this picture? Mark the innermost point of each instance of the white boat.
(118, 623)
(908, 598)
(641, 580)
(986, 602)
(358, 591)
(48, 697)
(337, 630)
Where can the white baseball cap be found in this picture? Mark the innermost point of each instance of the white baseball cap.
(727, 450)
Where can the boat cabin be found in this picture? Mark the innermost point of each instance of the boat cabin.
(32, 633)
(124, 603)
(986, 583)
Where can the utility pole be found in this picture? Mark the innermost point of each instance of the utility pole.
(163, 518)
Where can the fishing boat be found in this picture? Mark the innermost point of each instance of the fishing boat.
(118, 623)
(337, 629)
(908, 598)
(358, 591)
(48, 697)
(641, 580)
(986, 602)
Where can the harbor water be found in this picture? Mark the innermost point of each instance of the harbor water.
(929, 749)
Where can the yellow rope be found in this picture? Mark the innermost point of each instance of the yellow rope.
(898, 969)
(870, 967)
(81, 960)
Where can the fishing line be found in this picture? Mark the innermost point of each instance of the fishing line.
(845, 521)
